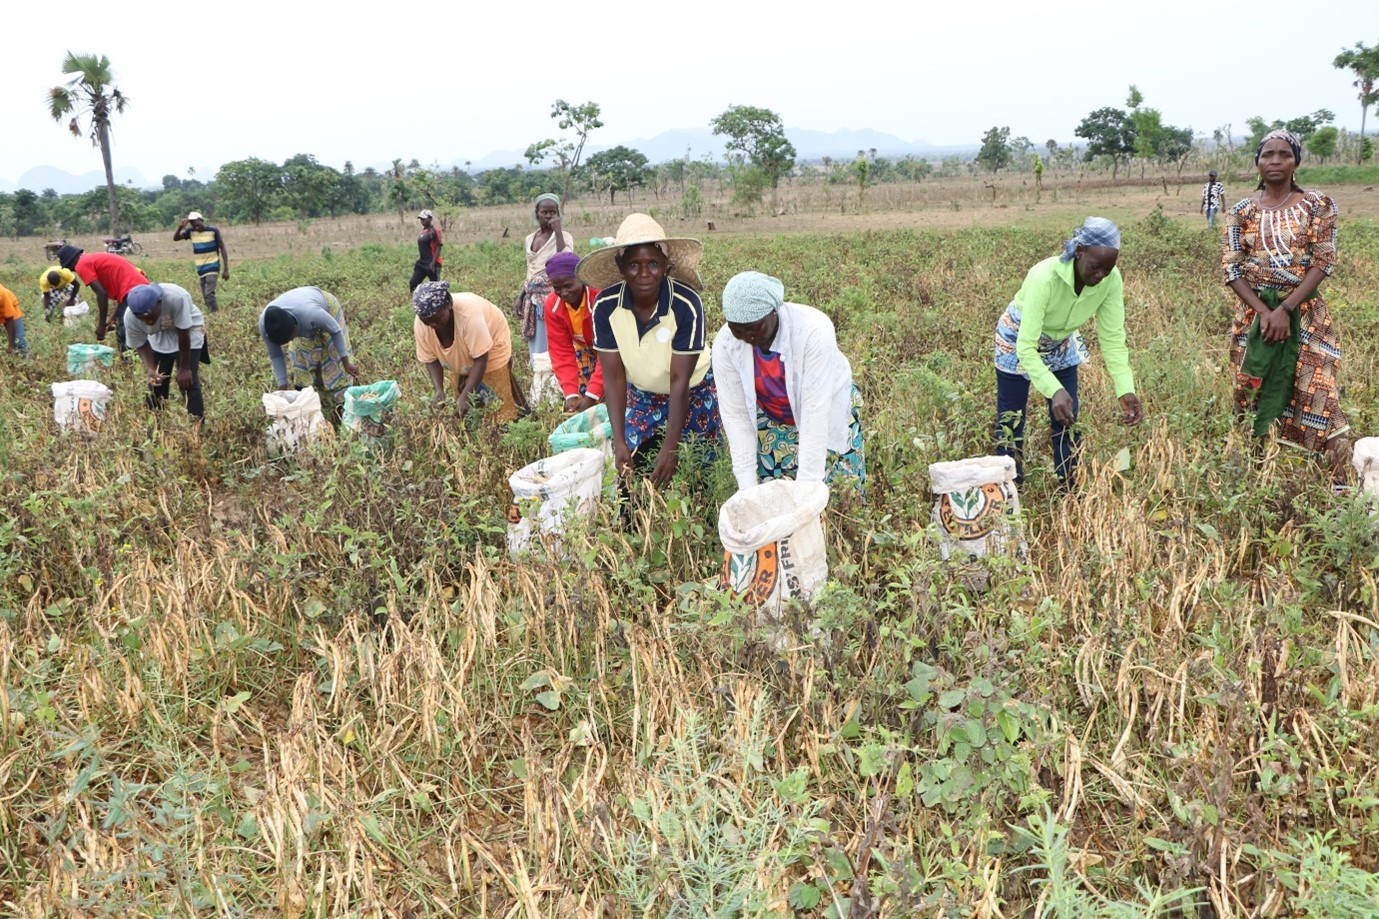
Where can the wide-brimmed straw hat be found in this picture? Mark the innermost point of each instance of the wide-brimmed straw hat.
(598, 269)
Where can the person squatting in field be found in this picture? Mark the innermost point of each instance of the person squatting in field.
(649, 333)
(305, 328)
(208, 253)
(164, 326)
(12, 317)
(469, 336)
(1037, 342)
(58, 286)
(785, 391)
(110, 277)
(1280, 244)
(570, 334)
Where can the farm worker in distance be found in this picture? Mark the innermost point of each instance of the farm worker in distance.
(59, 288)
(311, 324)
(649, 333)
(1213, 197)
(1279, 245)
(428, 263)
(208, 252)
(785, 392)
(548, 239)
(570, 334)
(469, 336)
(110, 277)
(13, 318)
(1037, 341)
(165, 327)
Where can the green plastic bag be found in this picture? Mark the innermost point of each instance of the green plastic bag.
(589, 428)
(83, 360)
(368, 410)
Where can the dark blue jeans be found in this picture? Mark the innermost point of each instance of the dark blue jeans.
(1012, 395)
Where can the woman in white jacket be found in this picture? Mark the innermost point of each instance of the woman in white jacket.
(785, 391)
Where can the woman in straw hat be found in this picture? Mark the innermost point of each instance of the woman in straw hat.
(649, 332)
(789, 407)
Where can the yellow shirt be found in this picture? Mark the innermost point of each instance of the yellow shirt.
(68, 276)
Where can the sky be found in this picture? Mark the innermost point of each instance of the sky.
(369, 82)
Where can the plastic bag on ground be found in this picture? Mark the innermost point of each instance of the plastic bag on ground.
(1365, 458)
(550, 492)
(368, 410)
(85, 359)
(79, 405)
(589, 428)
(773, 543)
(72, 315)
(976, 506)
(294, 418)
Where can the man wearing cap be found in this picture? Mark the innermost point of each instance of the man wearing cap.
(208, 252)
(110, 277)
(1213, 194)
(163, 324)
(428, 264)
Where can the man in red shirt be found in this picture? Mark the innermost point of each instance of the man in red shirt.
(110, 277)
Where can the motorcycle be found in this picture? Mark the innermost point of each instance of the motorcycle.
(123, 245)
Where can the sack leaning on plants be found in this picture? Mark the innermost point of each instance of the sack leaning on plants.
(83, 360)
(589, 428)
(79, 405)
(773, 544)
(548, 493)
(977, 507)
(72, 315)
(294, 418)
(368, 409)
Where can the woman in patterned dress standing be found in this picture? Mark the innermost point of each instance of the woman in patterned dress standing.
(1280, 244)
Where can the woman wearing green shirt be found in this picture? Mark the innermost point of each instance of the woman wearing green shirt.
(1037, 342)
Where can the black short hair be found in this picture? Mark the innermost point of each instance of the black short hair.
(279, 325)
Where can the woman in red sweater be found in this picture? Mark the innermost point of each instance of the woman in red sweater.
(570, 334)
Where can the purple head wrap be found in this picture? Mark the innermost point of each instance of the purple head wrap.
(562, 265)
(430, 298)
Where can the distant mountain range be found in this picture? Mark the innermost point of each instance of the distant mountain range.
(669, 145)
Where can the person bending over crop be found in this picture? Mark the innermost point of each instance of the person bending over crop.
(785, 391)
(469, 336)
(305, 328)
(649, 333)
(1280, 244)
(1037, 342)
(164, 326)
(59, 288)
(110, 277)
(13, 319)
(570, 334)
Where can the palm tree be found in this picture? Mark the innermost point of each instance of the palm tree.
(1364, 63)
(90, 93)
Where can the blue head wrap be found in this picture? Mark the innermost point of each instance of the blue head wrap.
(751, 296)
(1095, 231)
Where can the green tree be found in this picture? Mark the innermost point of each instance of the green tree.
(861, 172)
(27, 212)
(618, 169)
(307, 186)
(566, 152)
(249, 188)
(756, 135)
(1322, 144)
(995, 152)
(91, 92)
(1303, 126)
(1108, 132)
(1364, 63)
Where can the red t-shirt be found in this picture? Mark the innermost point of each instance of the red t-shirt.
(117, 275)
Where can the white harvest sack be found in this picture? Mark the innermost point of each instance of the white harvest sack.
(551, 491)
(71, 315)
(773, 542)
(79, 405)
(976, 506)
(1365, 458)
(544, 386)
(294, 416)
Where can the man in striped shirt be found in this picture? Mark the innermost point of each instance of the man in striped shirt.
(208, 252)
(1212, 194)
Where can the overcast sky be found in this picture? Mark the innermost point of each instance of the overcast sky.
(211, 82)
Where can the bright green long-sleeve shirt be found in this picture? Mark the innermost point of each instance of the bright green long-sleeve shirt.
(1049, 307)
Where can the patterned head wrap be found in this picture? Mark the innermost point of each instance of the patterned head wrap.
(562, 265)
(548, 196)
(430, 298)
(1095, 231)
(751, 296)
(1280, 134)
(143, 299)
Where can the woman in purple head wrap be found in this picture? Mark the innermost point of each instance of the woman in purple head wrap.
(570, 334)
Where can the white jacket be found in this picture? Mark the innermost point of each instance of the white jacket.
(818, 382)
